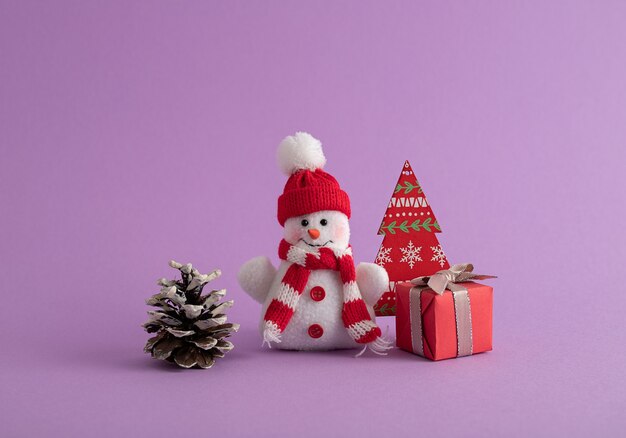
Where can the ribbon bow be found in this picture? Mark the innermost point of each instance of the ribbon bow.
(456, 274)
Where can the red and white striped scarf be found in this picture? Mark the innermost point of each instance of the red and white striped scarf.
(356, 318)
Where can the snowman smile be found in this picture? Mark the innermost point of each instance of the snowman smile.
(312, 245)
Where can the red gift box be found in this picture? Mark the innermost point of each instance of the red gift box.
(449, 325)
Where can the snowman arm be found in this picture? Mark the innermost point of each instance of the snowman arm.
(256, 276)
(373, 281)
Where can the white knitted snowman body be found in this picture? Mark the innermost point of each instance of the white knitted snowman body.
(316, 322)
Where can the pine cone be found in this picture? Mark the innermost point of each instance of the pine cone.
(191, 328)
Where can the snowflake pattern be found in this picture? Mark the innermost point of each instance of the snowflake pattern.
(411, 254)
(438, 255)
(383, 256)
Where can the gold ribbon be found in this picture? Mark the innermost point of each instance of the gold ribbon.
(456, 274)
(439, 282)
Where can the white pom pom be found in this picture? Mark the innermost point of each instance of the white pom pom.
(300, 151)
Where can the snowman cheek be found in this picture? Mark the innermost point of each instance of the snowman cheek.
(292, 235)
(339, 233)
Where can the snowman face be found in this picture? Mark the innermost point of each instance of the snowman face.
(326, 228)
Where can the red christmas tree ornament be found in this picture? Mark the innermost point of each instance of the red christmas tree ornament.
(410, 247)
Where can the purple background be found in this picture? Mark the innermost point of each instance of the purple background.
(132, 133)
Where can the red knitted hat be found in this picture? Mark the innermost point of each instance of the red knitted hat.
(309, 188)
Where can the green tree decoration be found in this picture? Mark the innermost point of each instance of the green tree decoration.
(190, 327)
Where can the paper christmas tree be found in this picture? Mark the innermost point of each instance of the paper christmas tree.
(410, 247)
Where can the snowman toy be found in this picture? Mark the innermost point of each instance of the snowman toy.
(316, 299)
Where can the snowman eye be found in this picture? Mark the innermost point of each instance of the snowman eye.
(323, 222)
(304, 222)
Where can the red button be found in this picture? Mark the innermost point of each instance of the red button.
(318, 293)
(316, 331)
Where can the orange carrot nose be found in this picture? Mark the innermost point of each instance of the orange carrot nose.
(314, 233)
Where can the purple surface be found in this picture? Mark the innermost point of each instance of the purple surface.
(135, 133)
